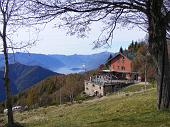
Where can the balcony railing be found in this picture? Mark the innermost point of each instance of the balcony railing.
(110, 82)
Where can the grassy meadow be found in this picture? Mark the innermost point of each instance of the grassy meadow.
(132, 107)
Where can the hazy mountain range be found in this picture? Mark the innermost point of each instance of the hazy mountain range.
(23, 77)
(60, 63)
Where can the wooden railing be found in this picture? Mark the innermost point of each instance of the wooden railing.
(111, 82)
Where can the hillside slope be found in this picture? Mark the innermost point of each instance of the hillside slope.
(53, 89)
(47, 92)
(135, 109)
(22, 77)
(25, 76)
(2, 88)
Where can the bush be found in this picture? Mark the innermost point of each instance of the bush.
(81, 97)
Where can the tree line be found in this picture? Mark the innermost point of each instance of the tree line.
(142, 61)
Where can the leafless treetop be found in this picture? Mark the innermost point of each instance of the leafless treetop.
(79, 14)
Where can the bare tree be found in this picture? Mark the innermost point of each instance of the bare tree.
(11, 19)
(153, 16)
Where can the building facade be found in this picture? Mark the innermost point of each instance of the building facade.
(120, 63)
(99, 88)
(118, 75)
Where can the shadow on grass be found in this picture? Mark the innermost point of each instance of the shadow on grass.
(145, 118)
(15, 125)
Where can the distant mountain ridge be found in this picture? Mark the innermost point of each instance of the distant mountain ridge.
(23, 77)
(56, 62)
(44, 61)
(91, 61)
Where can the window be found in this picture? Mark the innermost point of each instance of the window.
(100, 87)
(123, 68)
(123, 59)
(118, 67)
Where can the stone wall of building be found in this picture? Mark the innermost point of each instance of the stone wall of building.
(93, 89)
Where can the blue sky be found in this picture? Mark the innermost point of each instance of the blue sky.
(55, 41)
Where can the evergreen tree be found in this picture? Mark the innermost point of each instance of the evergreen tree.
(121, 50)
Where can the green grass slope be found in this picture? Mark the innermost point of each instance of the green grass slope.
(133, 109)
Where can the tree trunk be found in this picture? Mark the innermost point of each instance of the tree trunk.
(163, 73)
(163, 79)
(159, 50)
(7, 86)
